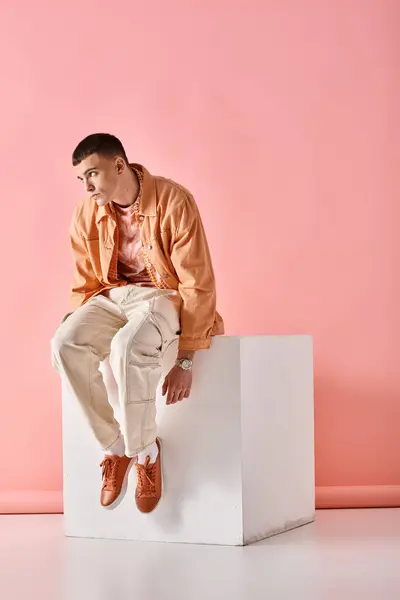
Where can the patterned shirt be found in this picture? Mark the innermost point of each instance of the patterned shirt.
(130, 259)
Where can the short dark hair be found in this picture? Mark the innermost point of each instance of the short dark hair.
(104, 144)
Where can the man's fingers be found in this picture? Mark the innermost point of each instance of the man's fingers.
(171, 396)
(181, 395)
(176, 394)
(165, 386)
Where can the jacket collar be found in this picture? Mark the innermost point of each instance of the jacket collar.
(147, 203)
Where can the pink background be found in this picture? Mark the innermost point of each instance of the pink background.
(283, 118)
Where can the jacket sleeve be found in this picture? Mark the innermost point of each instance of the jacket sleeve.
(84, 279)
(191, 259)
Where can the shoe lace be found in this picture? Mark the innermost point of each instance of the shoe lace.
(146, 483)
(109, 472)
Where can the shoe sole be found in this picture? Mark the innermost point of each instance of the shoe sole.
(124, 488)
(162, 477)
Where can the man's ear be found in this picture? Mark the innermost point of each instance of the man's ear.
(120, 165)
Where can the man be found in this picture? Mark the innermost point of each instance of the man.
(143, 280)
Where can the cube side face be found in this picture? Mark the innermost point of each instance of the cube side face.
(277, 434)
(201, 450)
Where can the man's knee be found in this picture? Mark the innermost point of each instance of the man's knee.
(145, 341)
(64, 336)
(56, 345)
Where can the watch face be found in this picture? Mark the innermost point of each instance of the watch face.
(186, 364)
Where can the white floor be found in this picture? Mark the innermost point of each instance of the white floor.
(347, 554)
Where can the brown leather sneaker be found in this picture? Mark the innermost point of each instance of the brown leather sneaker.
(149, 483)
(115, 479)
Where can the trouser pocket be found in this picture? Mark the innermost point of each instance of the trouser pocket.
(143, 380)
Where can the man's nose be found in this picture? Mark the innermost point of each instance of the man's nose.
(89, 186)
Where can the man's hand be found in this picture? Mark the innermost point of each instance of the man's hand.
(178, 384)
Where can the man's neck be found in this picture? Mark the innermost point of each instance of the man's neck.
(130, 188)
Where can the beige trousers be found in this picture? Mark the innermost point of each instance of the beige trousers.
(134, 326)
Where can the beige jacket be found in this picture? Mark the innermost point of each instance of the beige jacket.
(175, 242)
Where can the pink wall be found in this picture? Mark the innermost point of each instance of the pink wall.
(283, 119)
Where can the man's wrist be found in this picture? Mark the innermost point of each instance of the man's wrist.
(186, 354)
(185, 359)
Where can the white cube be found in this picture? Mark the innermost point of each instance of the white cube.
(238, 455)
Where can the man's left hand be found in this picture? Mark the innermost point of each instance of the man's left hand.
(178, 384)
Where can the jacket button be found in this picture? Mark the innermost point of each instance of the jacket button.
(148, 247)
(141, 218)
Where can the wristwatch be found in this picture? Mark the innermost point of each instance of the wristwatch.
(184, 363)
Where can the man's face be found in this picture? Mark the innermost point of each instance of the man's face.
(99, 174)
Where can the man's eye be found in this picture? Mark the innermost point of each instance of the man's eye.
(92, 173)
